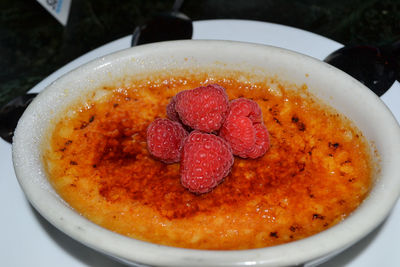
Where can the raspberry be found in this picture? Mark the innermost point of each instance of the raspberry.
(206, 160)
(243, 129)
(239, 133)
(171, 112)
(262, 142)
(203, 108)
(165, 139)
(247, 108)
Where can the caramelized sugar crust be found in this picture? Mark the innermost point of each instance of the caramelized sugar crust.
(316, 172)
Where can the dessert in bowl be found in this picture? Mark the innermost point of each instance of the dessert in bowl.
(328, 178)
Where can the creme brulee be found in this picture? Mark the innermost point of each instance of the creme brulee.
(316, 172)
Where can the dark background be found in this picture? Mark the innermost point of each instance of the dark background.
(33, 44)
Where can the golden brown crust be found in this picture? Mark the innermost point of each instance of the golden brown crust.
(316, 172)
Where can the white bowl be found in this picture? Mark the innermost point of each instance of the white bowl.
(327, 83)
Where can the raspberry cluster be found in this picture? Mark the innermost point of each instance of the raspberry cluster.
(203, 132)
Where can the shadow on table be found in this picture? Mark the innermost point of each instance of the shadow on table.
(350, 254)
(90, 257)
(82, 253)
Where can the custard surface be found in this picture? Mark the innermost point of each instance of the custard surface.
(316, 172)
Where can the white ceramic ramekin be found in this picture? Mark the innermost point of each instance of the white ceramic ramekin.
(329, 84)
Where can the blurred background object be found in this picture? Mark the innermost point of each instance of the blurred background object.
(33, 44)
